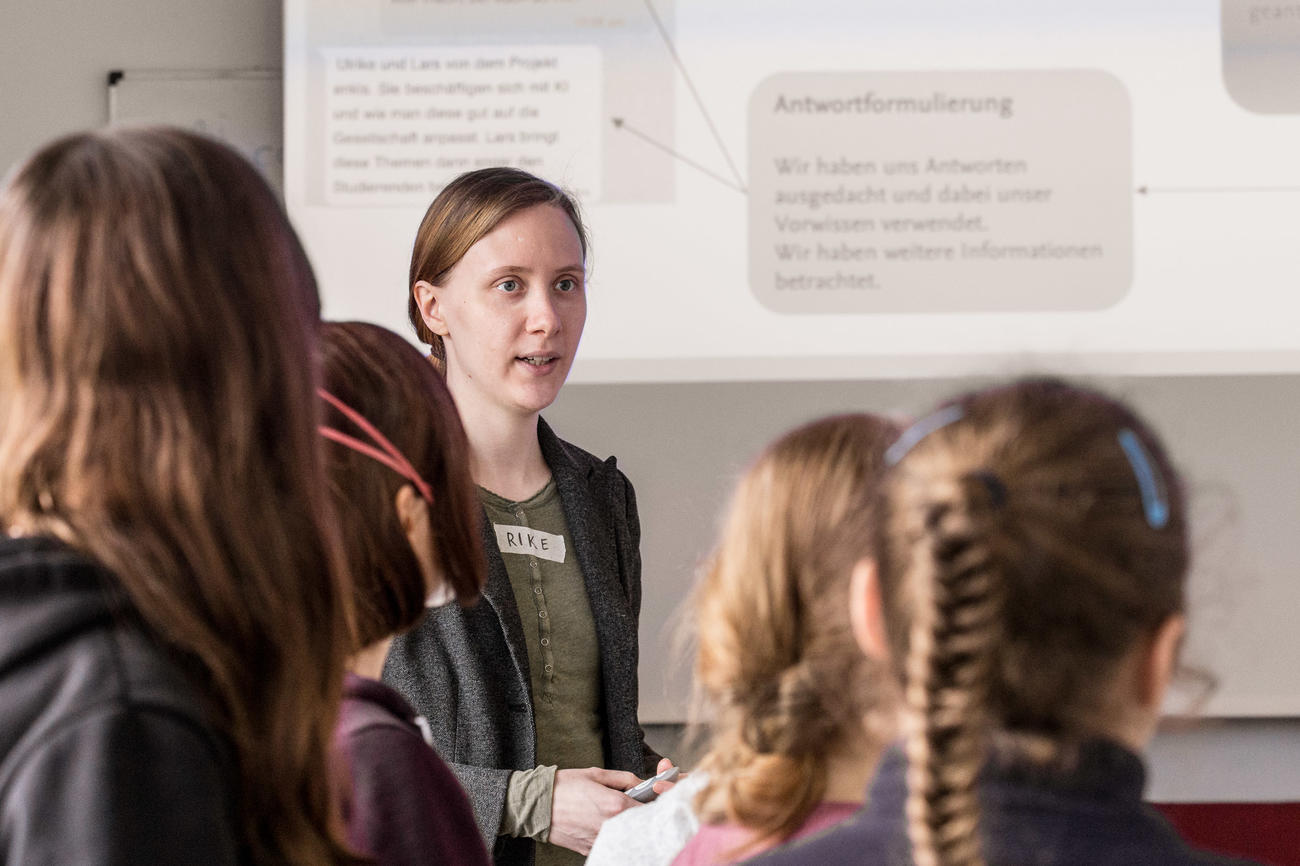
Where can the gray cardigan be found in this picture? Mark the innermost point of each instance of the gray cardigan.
(466, 669)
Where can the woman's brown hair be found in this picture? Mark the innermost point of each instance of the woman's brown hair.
(1028, 538)
(781, 677)
(467, 209)
(158, 412)
(383, 377)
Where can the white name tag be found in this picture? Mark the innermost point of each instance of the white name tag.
(530, 542)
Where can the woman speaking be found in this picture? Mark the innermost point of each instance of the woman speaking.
(532, 693)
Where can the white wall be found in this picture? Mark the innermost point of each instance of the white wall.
(683, 444)
(55, 56)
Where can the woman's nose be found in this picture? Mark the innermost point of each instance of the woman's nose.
(542, 314)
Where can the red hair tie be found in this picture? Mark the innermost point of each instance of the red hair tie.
(390, 456)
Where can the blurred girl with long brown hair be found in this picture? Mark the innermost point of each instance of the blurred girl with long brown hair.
(399, 479)
(174, 618)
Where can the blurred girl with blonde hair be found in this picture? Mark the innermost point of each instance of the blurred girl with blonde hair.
(781, 686)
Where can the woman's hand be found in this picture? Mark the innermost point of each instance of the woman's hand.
(664, 787)
(585, 799)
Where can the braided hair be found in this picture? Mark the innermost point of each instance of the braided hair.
(1022, 553)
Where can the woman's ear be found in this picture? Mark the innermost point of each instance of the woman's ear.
(866, 610)
(413, 513)
(427, 301)
(1160, 661)
(411, 509)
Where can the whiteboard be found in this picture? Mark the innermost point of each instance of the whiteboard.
(833, 189)
(242, 107)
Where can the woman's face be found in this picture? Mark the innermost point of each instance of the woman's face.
(511, 312)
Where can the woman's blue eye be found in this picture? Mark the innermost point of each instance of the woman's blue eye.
(567, 285)
(508, 286)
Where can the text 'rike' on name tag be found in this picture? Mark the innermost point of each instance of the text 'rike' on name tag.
(529, 542)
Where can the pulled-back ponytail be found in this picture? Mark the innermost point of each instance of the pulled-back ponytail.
(782, 683)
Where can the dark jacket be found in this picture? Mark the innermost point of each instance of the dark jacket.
(405, 805)
(105, 757)
(466, 669)
(1092, 815)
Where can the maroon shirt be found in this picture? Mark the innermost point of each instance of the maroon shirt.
(405, 807)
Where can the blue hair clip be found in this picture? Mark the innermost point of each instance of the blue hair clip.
(1154, 501)
(922, 428)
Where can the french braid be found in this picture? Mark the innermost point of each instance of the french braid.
(1029, 537)
(952, 646)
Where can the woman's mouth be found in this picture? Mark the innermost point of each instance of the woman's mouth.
(539, 363)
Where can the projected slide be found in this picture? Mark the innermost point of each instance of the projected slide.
(833, 188)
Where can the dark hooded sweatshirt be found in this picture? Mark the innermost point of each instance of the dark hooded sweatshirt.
(105, 754)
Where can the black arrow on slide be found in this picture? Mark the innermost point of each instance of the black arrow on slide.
(1160, 190)
(681, 67)
(620, 123)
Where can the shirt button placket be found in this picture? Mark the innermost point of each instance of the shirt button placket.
(548, 660)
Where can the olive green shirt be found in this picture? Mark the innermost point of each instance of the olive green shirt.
(563, 658)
